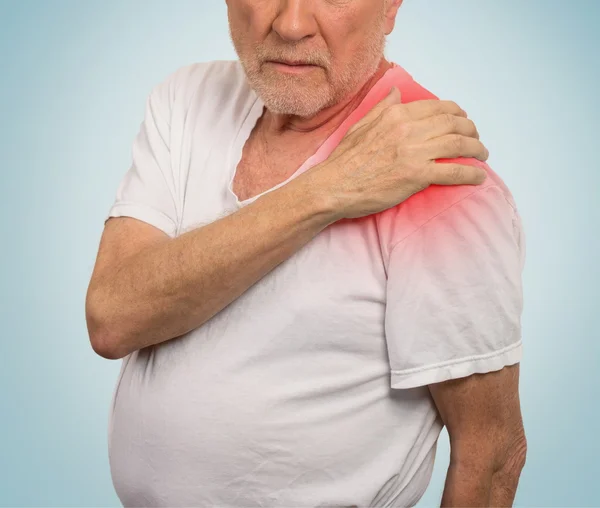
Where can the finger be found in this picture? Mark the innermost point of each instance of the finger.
(446, 123)
(417, 110)
(443, 173)
(393, 97)
(451, 146)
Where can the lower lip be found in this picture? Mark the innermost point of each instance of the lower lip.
(293, 69)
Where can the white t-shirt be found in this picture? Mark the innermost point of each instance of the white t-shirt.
(310, 389)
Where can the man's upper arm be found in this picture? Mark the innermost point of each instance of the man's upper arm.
(144, 210)
(454, 289)
(453, 320)
(482, 414)
(148, 190)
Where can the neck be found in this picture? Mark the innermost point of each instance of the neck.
(327, 119)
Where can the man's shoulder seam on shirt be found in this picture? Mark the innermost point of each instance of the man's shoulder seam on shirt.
(478, 190)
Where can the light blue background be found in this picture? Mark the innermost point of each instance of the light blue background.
(74, 79)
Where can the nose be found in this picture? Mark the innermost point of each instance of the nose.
(295, 20)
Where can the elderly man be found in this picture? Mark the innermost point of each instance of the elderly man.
(308, 271)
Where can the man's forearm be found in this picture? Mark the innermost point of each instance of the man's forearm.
(467, 486)
(480, 486)
(167, 290)
(504, 489)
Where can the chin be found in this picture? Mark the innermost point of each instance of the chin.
(295, 109)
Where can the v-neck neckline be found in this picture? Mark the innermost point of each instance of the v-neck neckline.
(254, 113)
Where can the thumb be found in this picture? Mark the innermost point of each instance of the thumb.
(393, 97)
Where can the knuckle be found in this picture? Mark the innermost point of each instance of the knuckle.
(448, 121)
(456, 173)
(449, 106)
(436, 107)
(455, 143)
(473, 127)
(425, 107)
(486, 152)
(456, 108)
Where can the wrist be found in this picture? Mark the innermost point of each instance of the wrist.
(309, 190)
(314, 186)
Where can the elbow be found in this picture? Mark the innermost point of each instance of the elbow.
(513, 457)
(503, 455)
(103, 339)
(102, 347)
(519, 456)
(105, 347)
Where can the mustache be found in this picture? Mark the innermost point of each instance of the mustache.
(311, 59)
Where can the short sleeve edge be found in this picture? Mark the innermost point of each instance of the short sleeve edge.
(463, 367)
(144, 213)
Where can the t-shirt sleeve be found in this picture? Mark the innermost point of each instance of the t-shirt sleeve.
(454, 293)
(147, 190)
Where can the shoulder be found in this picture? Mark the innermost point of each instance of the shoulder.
(488, 207)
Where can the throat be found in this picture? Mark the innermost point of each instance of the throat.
(259, 171)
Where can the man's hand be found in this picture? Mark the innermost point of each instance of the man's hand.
(390, 154)
(487, 440)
